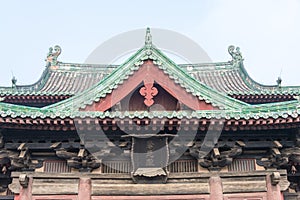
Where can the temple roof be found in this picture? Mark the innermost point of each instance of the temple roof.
(228, 108)
(229, 77)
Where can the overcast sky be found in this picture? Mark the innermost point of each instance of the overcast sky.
(267, 31)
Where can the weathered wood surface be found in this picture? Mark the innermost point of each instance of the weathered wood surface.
(121, 184)
(149, 189)
(157, 197)
(55, 186)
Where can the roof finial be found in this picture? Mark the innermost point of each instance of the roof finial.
(278, 81)
(148, 38)
(14, 82)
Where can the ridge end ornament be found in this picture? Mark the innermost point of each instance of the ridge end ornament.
(235, 54)
(51, 59)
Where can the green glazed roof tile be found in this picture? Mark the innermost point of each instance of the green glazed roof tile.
(68, 78)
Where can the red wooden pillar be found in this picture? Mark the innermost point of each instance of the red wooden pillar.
(25, 190)
(216, 188)
(84, 189)
(273, 188)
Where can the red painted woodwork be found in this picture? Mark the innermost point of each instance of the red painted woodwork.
(148, 71)
(246, 196)
(148, 91)
(160, 197)
(84, 189)
(216, 189)
(273, 191)
(162, 101)
(55, 197)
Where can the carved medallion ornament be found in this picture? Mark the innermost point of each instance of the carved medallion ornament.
(148, 91)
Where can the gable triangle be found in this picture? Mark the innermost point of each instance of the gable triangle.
(149, 63)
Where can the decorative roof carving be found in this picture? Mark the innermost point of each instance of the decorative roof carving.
(234, 81)
(148, 38)
(279, 81)
(235, 54)
(148, 91)
(52, 56)
(14, 82)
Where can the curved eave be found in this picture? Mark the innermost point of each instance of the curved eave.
(201, 124)
(261, 89)
(25, 89)
(124, 71)
(264, 111)
(63, 79)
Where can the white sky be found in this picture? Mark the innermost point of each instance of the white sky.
(267, 31)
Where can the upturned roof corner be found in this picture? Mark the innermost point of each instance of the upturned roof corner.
(229, 77)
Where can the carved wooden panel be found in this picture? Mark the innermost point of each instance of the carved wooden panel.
(56, 166)
(148, 91)
(242, 165)
(163, 100)
(116, 167)
(121, 167)
(183, 166)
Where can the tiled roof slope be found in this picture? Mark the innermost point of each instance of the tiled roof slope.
(227, 77)
(63, 79)
(229, 108)
(232, 78)
(128, 68)
(70, 79)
